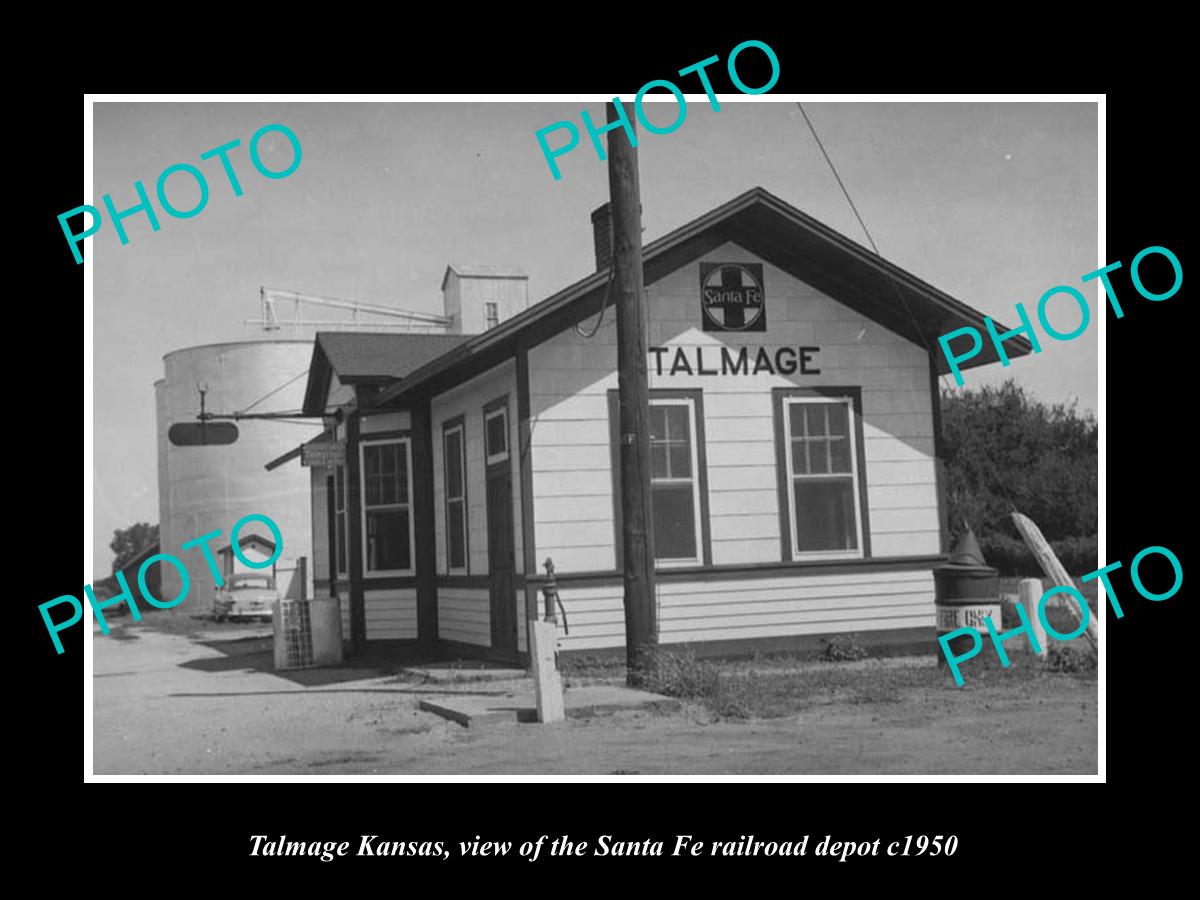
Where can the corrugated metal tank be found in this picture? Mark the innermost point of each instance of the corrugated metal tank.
(207, 488)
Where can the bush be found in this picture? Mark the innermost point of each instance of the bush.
(1065, 658)
(678, 673)
(1013, 558)
(842, 648)
(1003, 448)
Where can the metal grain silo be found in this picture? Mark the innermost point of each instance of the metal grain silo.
(209, 487)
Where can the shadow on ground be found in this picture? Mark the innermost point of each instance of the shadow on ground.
(256, 654)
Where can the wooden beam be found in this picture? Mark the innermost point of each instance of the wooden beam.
(1055, 570)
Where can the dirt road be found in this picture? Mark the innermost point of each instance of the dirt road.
(209, 704)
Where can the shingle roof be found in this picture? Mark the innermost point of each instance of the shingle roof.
(358, 357)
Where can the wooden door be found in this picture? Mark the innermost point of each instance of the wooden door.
(501, 583)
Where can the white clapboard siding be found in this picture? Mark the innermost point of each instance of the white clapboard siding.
(570, 375)
(465, 615)
(909, 543)
(344, 605)
(776, 606)
(391, 614)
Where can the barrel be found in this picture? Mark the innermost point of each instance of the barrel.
(966, 591)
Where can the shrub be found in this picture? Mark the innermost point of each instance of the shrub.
(1013, 558)
(842, 648)
(678, 673)
(1065, 658)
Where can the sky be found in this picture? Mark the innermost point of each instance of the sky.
(992, 203)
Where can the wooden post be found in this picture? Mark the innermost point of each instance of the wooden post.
(547, 682)
(1029, 592)
(1054, 569)
(637, 535)
(331, 529)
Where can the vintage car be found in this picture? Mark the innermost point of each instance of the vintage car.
(245, 596)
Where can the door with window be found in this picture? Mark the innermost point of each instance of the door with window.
(500, 545)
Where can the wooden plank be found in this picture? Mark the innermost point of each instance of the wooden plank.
(1055, 570)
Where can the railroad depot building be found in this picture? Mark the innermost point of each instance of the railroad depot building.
(794, 441)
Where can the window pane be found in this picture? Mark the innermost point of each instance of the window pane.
(373, 474)
(674, 522)
(796, 419)
(799, 457)
(681, 460)
(658, 422)
(839, 454)
(814, 413)
(825, 514)
(677, 423)
(454, 464)
(339, 479)
(387, 540)
(456, 537)
(400, 483)
(497, 437)
(658, 460)
(818, 457)
(839, 419)
(386, 473)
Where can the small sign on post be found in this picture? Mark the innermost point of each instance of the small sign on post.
(323, 454)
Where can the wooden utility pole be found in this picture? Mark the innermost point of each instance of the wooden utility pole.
(637, 531)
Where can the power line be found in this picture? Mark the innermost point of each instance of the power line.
(870, 239)
(275, 391)
(932, 354)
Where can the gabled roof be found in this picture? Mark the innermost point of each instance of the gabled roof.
(368, 358)
(774, 230)
(481, 272)
(248, 540)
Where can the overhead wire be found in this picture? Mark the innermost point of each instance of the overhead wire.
(895, 287)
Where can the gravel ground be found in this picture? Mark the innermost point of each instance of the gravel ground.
(203, 700)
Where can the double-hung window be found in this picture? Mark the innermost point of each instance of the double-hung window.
(821, 468)
(387, 512)
(454, 463)
(339, 516)
(674, 481)
(678, 481)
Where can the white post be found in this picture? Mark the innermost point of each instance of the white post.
(547, 682)
(1029, 592)
(1044, 553)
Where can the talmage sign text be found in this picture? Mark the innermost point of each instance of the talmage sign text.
(739, 361)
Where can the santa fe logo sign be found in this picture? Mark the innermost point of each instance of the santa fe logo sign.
(732, 297)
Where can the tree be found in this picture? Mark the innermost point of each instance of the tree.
(1005, 450)
(129, 542)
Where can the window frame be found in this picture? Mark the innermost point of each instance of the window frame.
(850, 397)
(449, 427)
(497, 408)
(693, 400)
(341, 539)
(407, 506)
(490, 306)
